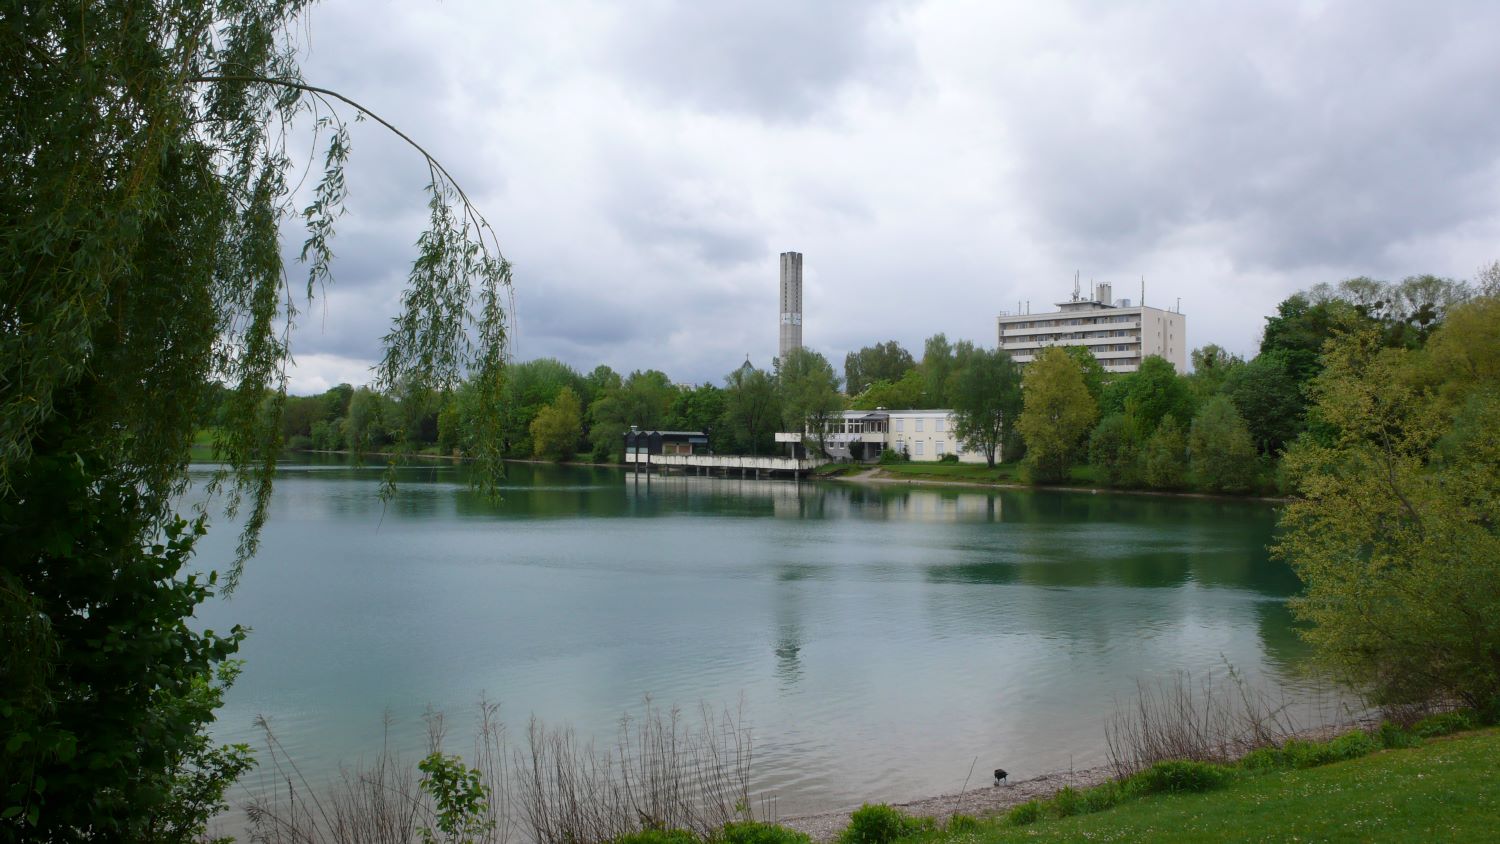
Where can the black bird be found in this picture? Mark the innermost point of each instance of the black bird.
(999, 775)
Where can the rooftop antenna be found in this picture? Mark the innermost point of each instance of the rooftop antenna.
(1075, 285)
(1143, 291)
(1179, 304)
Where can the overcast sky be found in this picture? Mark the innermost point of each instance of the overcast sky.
(936, 162)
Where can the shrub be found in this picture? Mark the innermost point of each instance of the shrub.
(887, 457)
(1102, 797)
(1068, 802)
(1027, 813)
(1310, 754)
(1445, 723)
(950, 457)
(755, 832)
(960, 824)
(1393, 736)
(1180, 777)
(877, 824)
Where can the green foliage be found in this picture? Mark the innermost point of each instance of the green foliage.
(1223, 459)
(1269, 398)
(986, 399)
(1155, 392)
(1212, 366)
(962, 825)
(1164, 458)
(878, 823)
(1179, 776)
(558, 427)
(644, 400)
(1391, 736)
(1094, 376)
(147, 182)
(1026, 813)
(1397, 535)
(460, 801)
(886, 362)
(1296, 753)
(752, 410)
(1445, 723)
(905, 393)
(1067, 803)
(889, 457)
(1115, 451)
(809, 394)
(937, 367)
(657, 836)
(755, 832)
(950, 457)
(1057, 411)
(529, 387)
(699, 409)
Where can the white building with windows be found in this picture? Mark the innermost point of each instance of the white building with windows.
(1119, 334)
(922, 435)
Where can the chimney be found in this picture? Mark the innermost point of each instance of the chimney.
(1105, 290)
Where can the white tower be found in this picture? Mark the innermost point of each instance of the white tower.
(791, 302)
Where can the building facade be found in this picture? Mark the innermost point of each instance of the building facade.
(791, 303)
(921, 435)
(1119, 335)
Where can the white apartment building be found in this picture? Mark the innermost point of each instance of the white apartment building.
(1119, 335)
(922, 435)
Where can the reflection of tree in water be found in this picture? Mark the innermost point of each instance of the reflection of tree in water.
(788, 620)
(1286, 652)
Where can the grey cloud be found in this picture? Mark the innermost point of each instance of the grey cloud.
(1317, 141)
(777, 59)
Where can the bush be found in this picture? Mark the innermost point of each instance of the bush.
(299, 442)
(878, 824)
(888, 457)
(1393, 736)
(1445, 723)
(948, 458)
(755, 832)
(1068, 802)
(1027, 813)
(1310, 754)
(1180, 777)
(960, 824)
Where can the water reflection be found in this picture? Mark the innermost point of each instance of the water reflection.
(907, 628)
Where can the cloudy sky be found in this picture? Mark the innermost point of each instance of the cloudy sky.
(936, 162)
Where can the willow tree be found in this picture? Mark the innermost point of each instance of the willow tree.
(145, 184)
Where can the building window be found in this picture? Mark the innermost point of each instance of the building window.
(919, 426)
(900, 425)
(938, 426)
(919, 448)
(937, 448)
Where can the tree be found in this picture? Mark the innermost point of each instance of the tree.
(1095, 378)
(529, 386)
(752, 408)
(642, 400)
(1164, 461)
(558, 427)
(144, 181)
(1115, 450)
(937, 366)
(809, 393)
(1396, 532)
(986, 401)
(905, 394)
(1266, 393)
(1223, 458)
(698, 409)
(1057, 411)
(1212, 365)
(881, 362)
(1156, 391)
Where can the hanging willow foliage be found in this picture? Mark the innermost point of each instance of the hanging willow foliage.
(145, 185)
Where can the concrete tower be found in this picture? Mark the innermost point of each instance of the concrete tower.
(791, 302)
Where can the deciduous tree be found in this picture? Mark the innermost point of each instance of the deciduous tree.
(986, 402)
(1057, 412)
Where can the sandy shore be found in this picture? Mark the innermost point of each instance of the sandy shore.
(985, 799)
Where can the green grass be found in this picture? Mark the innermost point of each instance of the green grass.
(1446, 790)
(1003, 473)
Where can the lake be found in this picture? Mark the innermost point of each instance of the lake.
(878, 638)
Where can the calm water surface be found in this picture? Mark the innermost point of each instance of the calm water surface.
(879, 638)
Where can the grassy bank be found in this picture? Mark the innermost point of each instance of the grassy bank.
(976, 473)
(1446, 790)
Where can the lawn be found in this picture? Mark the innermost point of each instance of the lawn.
(1003, 473)
(1446, 790)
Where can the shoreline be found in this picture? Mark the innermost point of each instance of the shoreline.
(876, 476)
(979, 801)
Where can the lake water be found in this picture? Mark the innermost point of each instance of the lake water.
(879, 638)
